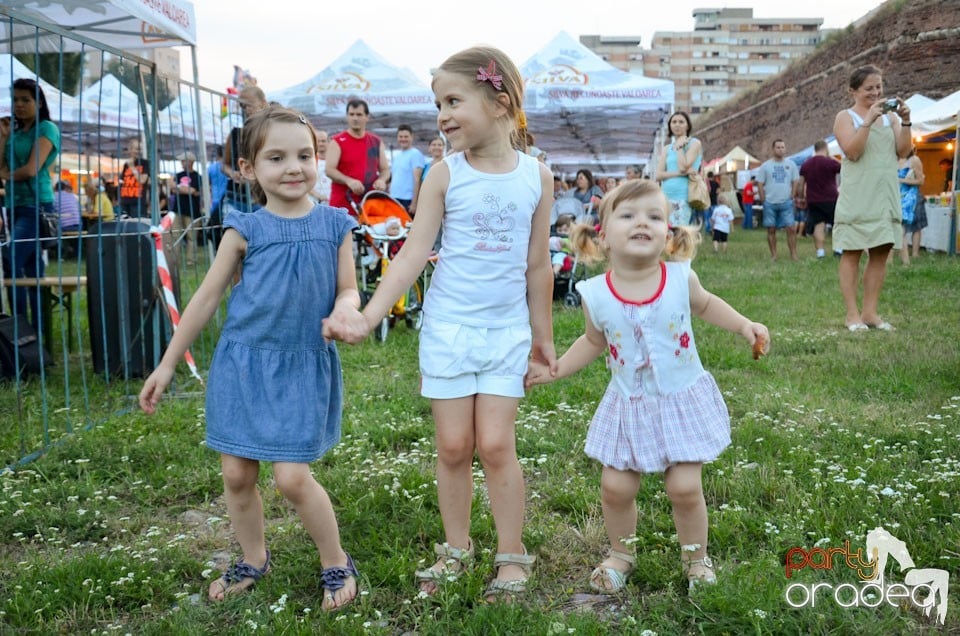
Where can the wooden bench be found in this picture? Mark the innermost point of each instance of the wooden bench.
(55, 291)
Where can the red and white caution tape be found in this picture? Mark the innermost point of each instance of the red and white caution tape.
(167, 283)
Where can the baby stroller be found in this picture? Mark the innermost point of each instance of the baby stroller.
(572, 271)
(384, 224)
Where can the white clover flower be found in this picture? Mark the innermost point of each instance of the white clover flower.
(759, 613)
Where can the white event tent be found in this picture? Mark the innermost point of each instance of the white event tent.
(62, 106)
(111, 104)
(586, 113)
(394, 95)
(107, 113)
(937, 116)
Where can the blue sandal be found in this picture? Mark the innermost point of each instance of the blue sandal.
(336, 577)
(238, 573)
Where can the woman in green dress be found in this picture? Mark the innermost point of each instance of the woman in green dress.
(873, 134)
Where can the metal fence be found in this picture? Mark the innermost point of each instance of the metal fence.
(94, 297)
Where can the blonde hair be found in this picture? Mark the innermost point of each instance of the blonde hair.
(585, 243)
(471, 62)
(682, 241)
(254, 135)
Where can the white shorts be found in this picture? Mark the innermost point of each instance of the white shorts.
(458, 360)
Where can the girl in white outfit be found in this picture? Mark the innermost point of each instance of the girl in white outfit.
(488, 305)
(662, 412)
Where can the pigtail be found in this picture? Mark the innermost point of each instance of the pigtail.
(585, 242)
(520, 137)
(682, 242)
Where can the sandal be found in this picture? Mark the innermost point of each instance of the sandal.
(706, 577)
(453, 562)
(610, 580)
(335, 578)
(232, 580)
(506, 590)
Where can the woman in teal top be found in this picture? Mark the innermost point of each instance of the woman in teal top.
(28, 152)
(681, 158)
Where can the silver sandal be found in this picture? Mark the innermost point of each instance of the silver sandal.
(506, 590)
(455, 562)
(608, 580)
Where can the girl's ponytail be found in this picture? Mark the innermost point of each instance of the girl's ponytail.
(682, 242)
(585, 242)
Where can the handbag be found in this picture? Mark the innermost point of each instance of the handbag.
(49, 227)
(698, 194)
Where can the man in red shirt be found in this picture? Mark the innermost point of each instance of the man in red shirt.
(356, 160)
(749, 198)
(818, 175)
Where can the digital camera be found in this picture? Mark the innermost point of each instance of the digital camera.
(890, 104)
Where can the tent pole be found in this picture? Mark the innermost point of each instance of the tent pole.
(205, 179)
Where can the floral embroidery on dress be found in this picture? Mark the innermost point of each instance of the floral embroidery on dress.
(681, 336)
(615, 360)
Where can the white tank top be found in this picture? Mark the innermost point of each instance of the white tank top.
(480, 278)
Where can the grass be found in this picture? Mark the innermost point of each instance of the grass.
(120, 528)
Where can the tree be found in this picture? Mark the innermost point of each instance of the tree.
(62, 70)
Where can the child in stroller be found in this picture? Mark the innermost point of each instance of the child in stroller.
(573, 246)
(384, 224)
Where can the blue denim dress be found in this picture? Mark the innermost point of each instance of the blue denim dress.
(275, 387)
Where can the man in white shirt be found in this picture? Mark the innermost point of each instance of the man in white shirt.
(406, 169)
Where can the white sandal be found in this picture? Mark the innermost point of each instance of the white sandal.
(610, 580)
(508, 590)
(707, 577)
(455, 562)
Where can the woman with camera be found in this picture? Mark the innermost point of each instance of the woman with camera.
(28, 151)
(868, 213)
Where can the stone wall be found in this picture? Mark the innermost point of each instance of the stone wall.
(916, 44)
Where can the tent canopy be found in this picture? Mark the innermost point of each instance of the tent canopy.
(585, 112)
(940, 115)
(737, 155)
(125, 24)
(393, 94)
(61, 105)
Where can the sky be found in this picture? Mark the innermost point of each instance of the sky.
(285, 42)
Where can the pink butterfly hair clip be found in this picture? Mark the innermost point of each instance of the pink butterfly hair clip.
(489, 74)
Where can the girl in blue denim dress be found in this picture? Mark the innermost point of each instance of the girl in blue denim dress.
(275, 387)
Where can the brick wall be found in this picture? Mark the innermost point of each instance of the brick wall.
(915, 43)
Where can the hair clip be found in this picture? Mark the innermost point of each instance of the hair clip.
(521, 120)
(303, 119)
(489, 75)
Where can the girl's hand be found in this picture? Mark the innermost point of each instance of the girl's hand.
(345, 324)
(153, 389)
(537, 373)
(544, 353)
(679, 142)
(757, 333)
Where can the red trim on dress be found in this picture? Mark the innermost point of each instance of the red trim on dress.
(656, 294)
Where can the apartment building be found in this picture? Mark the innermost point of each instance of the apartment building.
(728, 51)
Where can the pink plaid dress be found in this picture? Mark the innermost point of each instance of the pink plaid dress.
(661, 406)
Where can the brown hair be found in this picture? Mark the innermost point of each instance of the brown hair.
(470, 62)
(682, 241)
(254, 135)
(860, 75)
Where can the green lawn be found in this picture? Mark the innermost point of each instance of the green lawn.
(120, 528)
